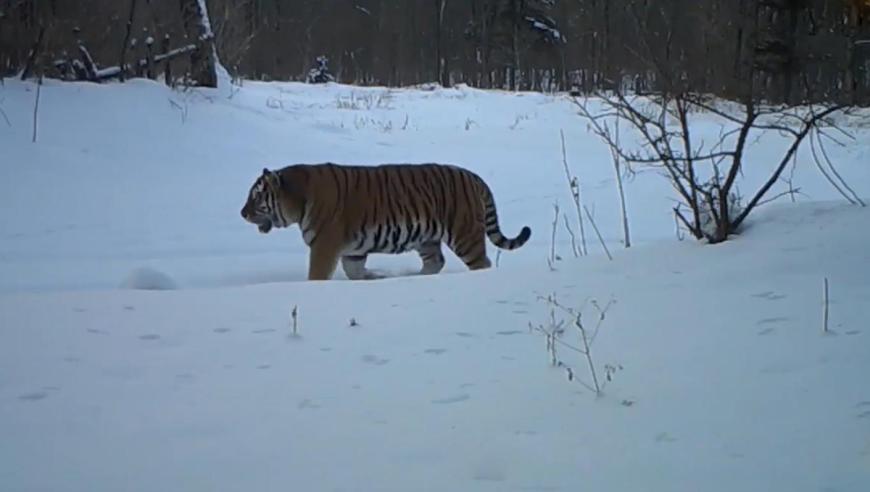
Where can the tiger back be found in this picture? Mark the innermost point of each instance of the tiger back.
(346, 213)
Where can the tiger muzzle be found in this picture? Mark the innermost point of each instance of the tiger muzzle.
(264, 224)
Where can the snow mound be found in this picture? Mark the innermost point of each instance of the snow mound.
(148, 279)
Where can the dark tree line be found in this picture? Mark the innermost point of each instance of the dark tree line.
(101, 39)
(800, 50)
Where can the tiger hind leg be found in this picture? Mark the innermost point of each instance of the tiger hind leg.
(355, 268)
(471, 250)
(433, 258)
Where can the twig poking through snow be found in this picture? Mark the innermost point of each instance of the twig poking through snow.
(573, 237)
(3, 114)
(574, 184)
(825, 313)
(597, 233)
(36, 108)
(294, 319)
(551, 259)
(619, 188)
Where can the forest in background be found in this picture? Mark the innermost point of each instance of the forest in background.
(795, 50)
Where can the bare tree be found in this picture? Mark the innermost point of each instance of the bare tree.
(663, 127)
(705, 176)
(122, 63)
(806, 51)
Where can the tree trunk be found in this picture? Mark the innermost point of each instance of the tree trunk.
(126, 43)
(203, 61)
(515, 45)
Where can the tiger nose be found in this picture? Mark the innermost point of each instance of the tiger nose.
(244, 213)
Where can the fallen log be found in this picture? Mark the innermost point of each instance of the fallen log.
(86, 69)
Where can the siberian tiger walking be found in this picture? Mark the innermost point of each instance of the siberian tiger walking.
(349, 212)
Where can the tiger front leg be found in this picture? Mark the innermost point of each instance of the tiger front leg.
(322, 260)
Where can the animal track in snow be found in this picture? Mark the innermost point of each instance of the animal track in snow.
(664, 437)
(34, 396)
(769, 295)
(307, 403)
(374, 360)
(452, 399)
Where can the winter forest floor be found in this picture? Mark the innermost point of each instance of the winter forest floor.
(146, 340)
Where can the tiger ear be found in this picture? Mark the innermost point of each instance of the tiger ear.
(271, 177)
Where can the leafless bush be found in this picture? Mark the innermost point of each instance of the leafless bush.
(554, 331)
(705, 174)
(667, 142)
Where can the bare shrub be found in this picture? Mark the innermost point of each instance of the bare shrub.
(554, 332)
(705, 174)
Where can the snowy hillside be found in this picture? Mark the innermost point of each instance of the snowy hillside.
(724, 378)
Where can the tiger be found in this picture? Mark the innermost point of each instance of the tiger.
(348, 212)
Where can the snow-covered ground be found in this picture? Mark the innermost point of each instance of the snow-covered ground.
(146, 338)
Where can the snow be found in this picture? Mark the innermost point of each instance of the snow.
(145, 278)
(146, 336)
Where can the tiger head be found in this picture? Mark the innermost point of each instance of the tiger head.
(268, 204)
